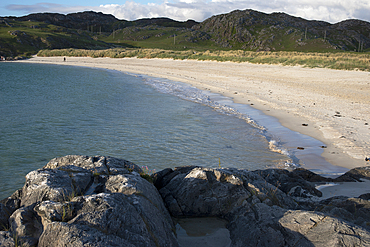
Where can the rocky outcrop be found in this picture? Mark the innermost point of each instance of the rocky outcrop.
(81, 20)
(80, 200)
(105, 201)
(253, 30)
(263, 208)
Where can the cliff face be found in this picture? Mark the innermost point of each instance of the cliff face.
(105, 201)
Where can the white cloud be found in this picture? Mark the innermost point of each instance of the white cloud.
(46, 7)
(330, 10)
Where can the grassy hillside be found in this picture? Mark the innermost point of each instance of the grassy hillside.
(245, 30)
(28, 37)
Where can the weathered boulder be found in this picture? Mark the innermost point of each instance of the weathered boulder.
(75, 200)
(107, 219)
(261, 207)
(261, 225)
(132, 184)
(355, 210)
(13, 202)
(319, 230)
(257, 225)
(288, 182)
(69, 176)
(355, 175)
(26, 225)
(46, 184)
(96, 164)
(203, 192)
(196, 191)
(309, 176)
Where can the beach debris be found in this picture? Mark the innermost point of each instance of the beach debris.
(304, 124)
(300, 148)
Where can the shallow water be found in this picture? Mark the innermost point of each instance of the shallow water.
(50, 111)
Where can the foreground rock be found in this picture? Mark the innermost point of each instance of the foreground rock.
(88, 201)
(265, 208)
(104, 201)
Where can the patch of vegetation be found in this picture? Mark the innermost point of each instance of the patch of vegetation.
(146, 174)
(338, 60)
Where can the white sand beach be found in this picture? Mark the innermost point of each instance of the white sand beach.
(333, 105)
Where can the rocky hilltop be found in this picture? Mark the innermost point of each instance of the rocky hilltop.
(105, 201)
(80, 20)
(279, 31)
(240, 29)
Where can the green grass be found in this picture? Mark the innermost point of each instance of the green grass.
(33, 36)
(340, 60)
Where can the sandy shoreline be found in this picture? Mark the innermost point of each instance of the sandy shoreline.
(334, 104)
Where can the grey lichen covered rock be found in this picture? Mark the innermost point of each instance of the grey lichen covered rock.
(321, 230)
(96, 164)
(203, 192)
(261, 206)
(197, 191)
(46, 184)
(26, 225)
(109, 219)
(105, 201)
(88, 201)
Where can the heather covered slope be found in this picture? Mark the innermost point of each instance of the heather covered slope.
(238, 30)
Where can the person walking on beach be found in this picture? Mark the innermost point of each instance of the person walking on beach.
(64, 59)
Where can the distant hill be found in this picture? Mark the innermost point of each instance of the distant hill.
(253, 30)
(246, 30)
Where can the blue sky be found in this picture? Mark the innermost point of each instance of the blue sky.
(329, 10)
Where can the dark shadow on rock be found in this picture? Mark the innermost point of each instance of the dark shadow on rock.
(259, 213)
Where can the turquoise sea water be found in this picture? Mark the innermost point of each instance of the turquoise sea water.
(49, 111)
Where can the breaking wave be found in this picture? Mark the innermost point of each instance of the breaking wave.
(187, 92)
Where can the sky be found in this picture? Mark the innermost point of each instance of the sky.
(332, 11)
